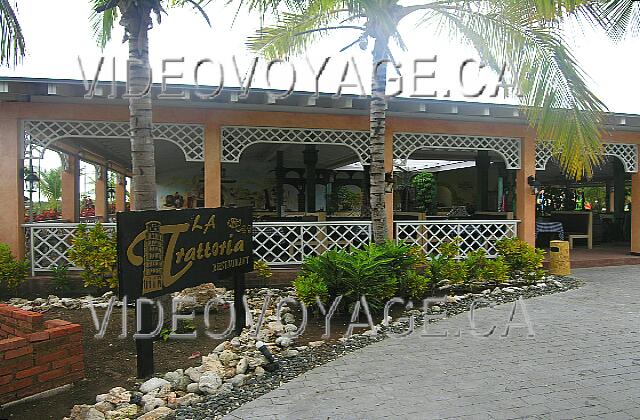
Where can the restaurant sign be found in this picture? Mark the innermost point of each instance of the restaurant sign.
(160, 252)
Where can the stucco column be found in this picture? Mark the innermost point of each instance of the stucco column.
(11, 187)
(525, 200)
(212, 166)
(102, 211)
(388, 168)
(121, 193)
(71, 188)
(635, 213)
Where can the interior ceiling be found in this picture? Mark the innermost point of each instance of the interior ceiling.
(329, 156)
(169, 157)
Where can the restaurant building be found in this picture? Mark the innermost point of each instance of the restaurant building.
(302, 161)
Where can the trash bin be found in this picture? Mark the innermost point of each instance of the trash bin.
(559, 263)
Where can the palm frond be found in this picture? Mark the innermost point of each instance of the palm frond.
(12, 45)
(295, 31)
(554, 93)
(104, 14)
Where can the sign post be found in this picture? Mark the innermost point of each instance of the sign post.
(161, 252)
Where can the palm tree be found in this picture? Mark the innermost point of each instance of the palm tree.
(12, 47)
(520, 33)
(136, 18)
(50, 185)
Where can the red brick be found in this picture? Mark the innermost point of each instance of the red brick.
(77, 366)
(52, 374)
(67, 361)
(31, 317)
(7, 398)
(18, 352)
(75, 338)
(13, 343)
(52, 323)
(32, 371)
(9, 321)
(49, 357)
(15, 385)
(21, 333)
(14, 365)
(65, 330)
(6, 328)
(6, 379)
(39, 336)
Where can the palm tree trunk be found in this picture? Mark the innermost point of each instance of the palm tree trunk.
(377, 117)
(137, 19)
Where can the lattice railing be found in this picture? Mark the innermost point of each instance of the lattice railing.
(276, 243)
(280, 244)
(473, 234)
(48, 244)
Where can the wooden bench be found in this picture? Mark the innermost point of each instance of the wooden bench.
(577, 225)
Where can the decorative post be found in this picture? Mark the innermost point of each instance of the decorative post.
(280, 174)
(71, 188)
(482, 180)
(102, 207)
(525, 199)
(12, 185)
(619, 194)
(212, 166)
(121, 193)
(310, 155)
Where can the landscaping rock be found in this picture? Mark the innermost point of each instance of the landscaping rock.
(284, 341)
(128, 411)
(242, 366)
(227, 358)
(316, 343)
(151, 402)
(189, 399)
(193, 387)
(159, 413)
(194, 373)
(178, 379)
(85, 412)
(104, 406)
(153, 384)
(209, 383)
(238, 380)
(289, 353)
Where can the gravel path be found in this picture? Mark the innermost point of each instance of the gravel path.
(583, 362)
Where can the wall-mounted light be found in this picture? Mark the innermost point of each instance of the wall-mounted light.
(31, 180)
(534, 184)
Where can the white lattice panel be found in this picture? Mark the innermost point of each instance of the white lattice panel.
(49, 243)
(275, 243)
(41, 133)
(474, 234)
(627, 153)
(236, 139)
(404, 144)
(291, 243)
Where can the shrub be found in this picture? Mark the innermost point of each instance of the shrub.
(60, 276)
(310, 285)
(523, 260)
(483, 270)
(426, 190)
(413, 285)
(375, 271)
(445, 266)
(94, 250)
(13, 272)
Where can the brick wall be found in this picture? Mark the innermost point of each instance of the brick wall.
(37, 355)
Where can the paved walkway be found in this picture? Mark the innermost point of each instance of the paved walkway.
(584, 362)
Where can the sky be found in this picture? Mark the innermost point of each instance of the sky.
(57, 33)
